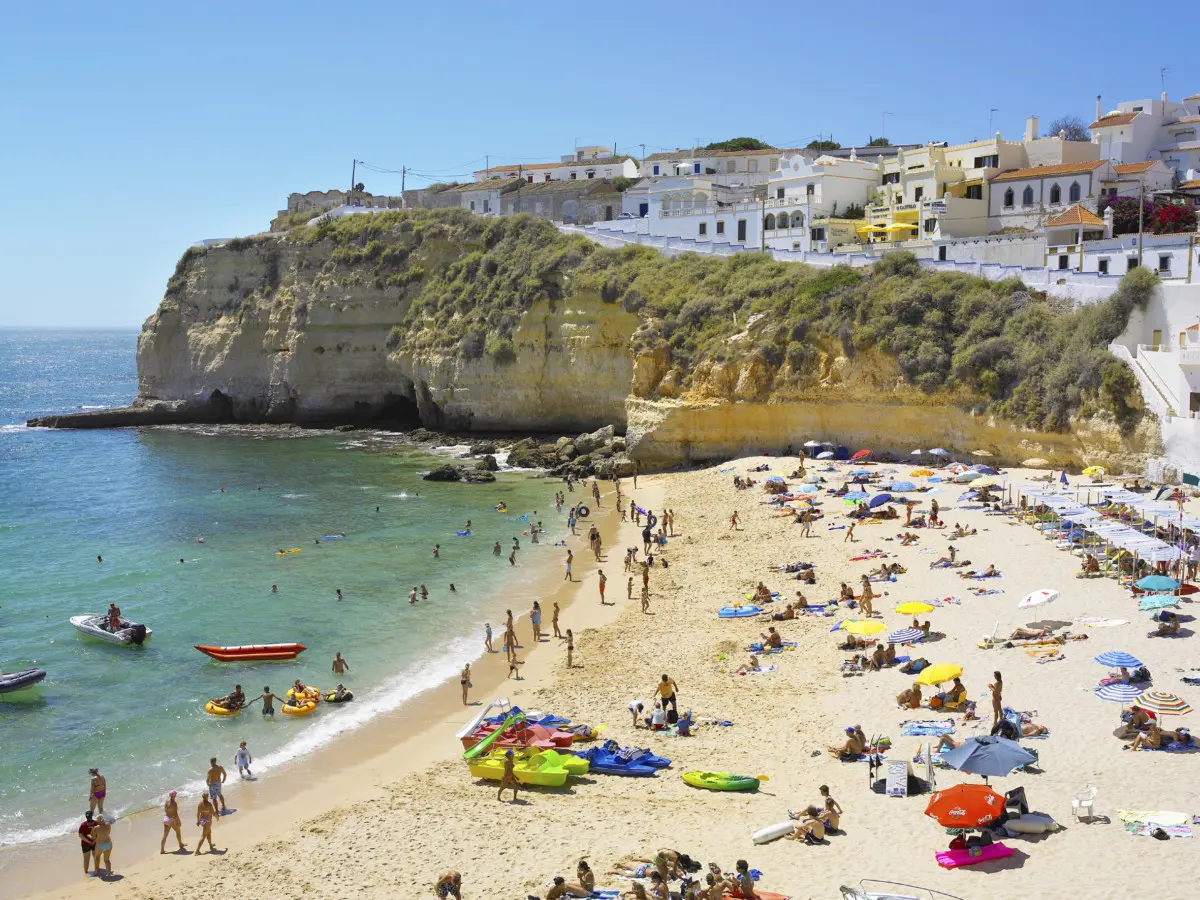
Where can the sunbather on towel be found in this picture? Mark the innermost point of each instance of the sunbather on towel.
(912, 667)
(907, 538)
(960, 532)
(1167, 628)
(945, 562)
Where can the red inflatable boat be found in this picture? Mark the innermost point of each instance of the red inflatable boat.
(252, 652)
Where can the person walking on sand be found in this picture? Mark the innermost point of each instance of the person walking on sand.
(535, 621)
(340, 666)
(570, 649)
(464, 679)
(97, 792)
(570, 559)
(103, 835)
(554, 621)
(629, 589)
(214, 779)
(596, 492)
(242, 758)
(487, 637)
(645, 599)
(509, 778)
(87, 838)
(806, 523)
(603, 581)
(733, 521)
(206, 814)
(849, 534)
(997, 702)
(868, 595)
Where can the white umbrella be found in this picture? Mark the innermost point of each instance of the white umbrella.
(938, 451)
(828, 454)
(917, 453)
(812, 443)
(1037, 598)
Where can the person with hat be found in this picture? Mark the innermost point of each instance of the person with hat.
(171, 823)
(850, 750)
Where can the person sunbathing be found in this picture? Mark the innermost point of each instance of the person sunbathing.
(960, 532)
(854, 642)
(807, 576)
(1032, 729)
(907, 538)
(1167, 628)
(1181, 736)
(910, 698)
(750, 667)
(810, 829)
(945, 562)
(1028, 633)
(789, 612)
(914, 666)
(850, 750)
(945, 742)
(772, 638)
(1151, 738)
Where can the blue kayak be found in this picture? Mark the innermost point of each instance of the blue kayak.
(738, 612)
(548, 719)
(601, 762)
(637, 755)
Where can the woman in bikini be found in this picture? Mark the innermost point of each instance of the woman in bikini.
(103, 835)
(171, 823)
(205, 814)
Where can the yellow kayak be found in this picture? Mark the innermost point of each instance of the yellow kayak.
(539, 769)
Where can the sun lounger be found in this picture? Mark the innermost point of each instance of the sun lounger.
(952, 859)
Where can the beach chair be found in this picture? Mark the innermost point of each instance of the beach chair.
(1083, 803)
(1015, 799)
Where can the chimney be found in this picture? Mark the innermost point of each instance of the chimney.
(1031, 129)
(1099, 111)
(1164, 96)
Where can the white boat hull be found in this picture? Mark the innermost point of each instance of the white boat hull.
(91, 626)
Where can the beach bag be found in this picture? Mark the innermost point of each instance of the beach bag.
(1142, 674)
(672, 716)
(935, 702)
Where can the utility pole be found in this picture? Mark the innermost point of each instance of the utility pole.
(353, 173)
(642, 164)
(521, 180)
(994, 109)
(403, 178)
(1141, 211)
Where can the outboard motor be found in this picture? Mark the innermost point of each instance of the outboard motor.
(138, 634)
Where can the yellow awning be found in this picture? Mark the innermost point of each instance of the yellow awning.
(902, 226)
(871, 229)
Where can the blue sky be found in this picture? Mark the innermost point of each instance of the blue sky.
(131, 130)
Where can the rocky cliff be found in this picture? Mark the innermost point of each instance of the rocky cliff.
(466, 324)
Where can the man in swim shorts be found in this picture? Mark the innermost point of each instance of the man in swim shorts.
(449, 885)
(214, 779)
(268, 700)
(87, 841)
(340, 666)
(97, 792)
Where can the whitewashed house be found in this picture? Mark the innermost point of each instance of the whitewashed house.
(1149, 177)
(803, 192)
(586, 163)
(1027, 198)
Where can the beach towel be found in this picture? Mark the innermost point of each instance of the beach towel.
(952, 859)
(1175, 831)
(760, 670)
(986, 592)
(1175, 747)
(1098, 622)
(1144, 817)
(982, 577)
(1043, 658)
(927, 728)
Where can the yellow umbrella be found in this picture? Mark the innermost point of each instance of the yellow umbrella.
(871, 229)
(1094, 470)
(862, 626)
(920, 473)
(902, 226)
(980, 453)
(913, 608)
(939, 672)
(1036, 462)
(986, 481)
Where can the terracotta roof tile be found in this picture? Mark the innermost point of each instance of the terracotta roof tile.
(1182, 120)
(1193, 97)
(1047, 171)
(1076, 215)
(525, 167)
(1114, 119)
(1133, 168)
(1191, 185)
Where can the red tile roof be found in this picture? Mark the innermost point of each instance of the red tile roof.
(1076, 215)
(1047, 171)
(1114, 119)
(1133, 168)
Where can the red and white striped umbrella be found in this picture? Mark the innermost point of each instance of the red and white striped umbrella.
(1164, 703)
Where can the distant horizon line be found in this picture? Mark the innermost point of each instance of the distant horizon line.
(69, 327)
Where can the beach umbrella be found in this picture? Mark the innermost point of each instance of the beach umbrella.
(1037, 598)
(813, 478)
(966, 477)
(913, 608)
(903, 486)
(985, 481)
(828, 454)
(1035, 462)
(1164, 703)
(1118, 692)
(920, 473)
(906, 636)
(778, 479)
(809, 488)
(990, 757)
(861, 454)
(965, 806)
(939, 672)
(879, 500)
(1062, 479)
(860, 626)
(1094, 470)
(980, 453)
(983, 470)
(917, 453)
(1118, 658)
(812, 443)
(856, 495)
(1157, 583)
(938, 451)
(861, 472)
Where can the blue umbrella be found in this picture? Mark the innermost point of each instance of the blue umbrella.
(983, 470)
(987, 756)
(938, 451)
(1158, 583)
(1063, 479)
(862, 472)
(903, 486)
(778, 478)
(808, 488)
(1118, 692)
(906, 636)
(879, 500)
(856, 495)
(1118, 658)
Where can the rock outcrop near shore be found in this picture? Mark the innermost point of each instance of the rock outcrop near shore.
(453, 322)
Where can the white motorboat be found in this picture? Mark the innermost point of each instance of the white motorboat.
(97, 627)
(870, 889)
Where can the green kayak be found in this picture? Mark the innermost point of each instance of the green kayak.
(720, 781)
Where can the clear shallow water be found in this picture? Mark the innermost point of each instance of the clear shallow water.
(141, 499)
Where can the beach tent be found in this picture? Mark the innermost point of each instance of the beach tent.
(840, 452)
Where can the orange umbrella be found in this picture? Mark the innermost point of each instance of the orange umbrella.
(965, 806)
(861, 454)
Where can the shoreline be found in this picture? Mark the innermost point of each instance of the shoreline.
(411, 733)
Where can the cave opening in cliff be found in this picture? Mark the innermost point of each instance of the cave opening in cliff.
(220, 407)
(397, 412)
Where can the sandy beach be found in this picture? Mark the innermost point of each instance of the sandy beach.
(385, 810)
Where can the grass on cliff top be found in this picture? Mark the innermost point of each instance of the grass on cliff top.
(467, 280)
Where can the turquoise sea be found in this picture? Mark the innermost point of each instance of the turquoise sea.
(141, 499)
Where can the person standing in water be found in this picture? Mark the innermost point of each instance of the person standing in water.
(496, 549)
(437, 551)
(242, 758)
(97, 792)
(412, 595)
(340, 666)
(464, 679)
(339, 594)
(487, 637)
(268, 700)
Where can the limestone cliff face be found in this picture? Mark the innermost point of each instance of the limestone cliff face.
(312, 350)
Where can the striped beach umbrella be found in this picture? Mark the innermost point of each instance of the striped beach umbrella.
(1118, 692)
(1118, 658)
(906, 636)
(1164, 703)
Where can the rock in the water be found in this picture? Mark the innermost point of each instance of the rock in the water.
(586, 443)
(423, 435)
(477, 476)
(444, 473)
(487, 464)
(485, 448)
(528, 454)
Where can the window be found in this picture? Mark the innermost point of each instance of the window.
(930, 226)
(975, 192)
(942, 253)
(992, 161)
(752, 166)
(656, 170)
(774, 164)
(769, 222)
(795, 245)
(1074, 193)
(741, 234)
(574, 175)
(695, 168)
(472, 206)
(720, 228)
(1027, 196)
(1064, 261)
(797, 219)
(1164, 262)
(1055, 194)
(1009, 197)
(591, 174)
(1103, 266)
(703, 228)
(1188, 134)
(731, 165)
(778, 193)
(816, 234)
(810, 190)
(1130, 264)
(891, 178)
(487, 206)
(918, 193)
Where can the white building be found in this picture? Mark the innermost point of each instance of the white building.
(1140, 130)
(804, 190)
(1149, 177)
(1026, 199)
(567, 169)
(732, 168)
